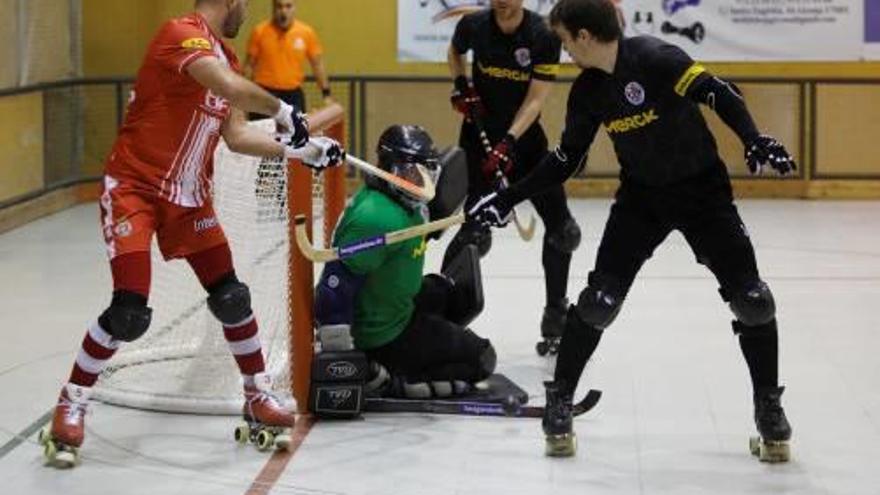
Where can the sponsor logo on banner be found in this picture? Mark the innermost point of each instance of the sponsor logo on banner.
(635, 93)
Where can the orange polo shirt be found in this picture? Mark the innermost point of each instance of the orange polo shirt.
(279, 55)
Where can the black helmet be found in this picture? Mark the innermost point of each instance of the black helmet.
(401, 150)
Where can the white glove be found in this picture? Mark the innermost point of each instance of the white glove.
(319, 153)
(335, 337)
(295, 125)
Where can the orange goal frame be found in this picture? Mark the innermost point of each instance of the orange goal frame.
(329, 121)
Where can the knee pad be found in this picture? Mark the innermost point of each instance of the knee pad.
(488, 361)
(597, 307)
(230, 301)
(128, 317)
(566, 238)
(754, 305)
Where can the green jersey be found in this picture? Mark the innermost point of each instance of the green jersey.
(393, 273)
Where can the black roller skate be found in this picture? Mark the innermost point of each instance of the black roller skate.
(773, 429)
(552, 324)
(560, 440)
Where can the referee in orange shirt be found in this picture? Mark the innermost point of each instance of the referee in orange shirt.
(276, 51)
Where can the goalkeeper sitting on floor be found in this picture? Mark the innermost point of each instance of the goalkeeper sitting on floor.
(411, 328)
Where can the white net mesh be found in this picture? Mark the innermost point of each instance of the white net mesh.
(183, 363)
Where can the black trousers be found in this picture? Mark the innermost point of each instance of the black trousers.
(432, 348)
(294, 97)
(551, 205)
(701, 208)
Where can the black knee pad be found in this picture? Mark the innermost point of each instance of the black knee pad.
(566, 238)
(128, 317)
(754, 305)
(597, 307)
(230, 300)
(488, 361)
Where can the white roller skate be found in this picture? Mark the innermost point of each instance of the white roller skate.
(62, 438)
(267, 423)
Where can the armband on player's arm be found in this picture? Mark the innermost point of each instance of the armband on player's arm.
(727, 101)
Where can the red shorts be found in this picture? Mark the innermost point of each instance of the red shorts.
(130, 215)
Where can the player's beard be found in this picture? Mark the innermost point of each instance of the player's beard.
(234, 20)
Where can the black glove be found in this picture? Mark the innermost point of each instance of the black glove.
(500, 159)
(491, 210)
(294, 125)
(466, 100)
(765, 150)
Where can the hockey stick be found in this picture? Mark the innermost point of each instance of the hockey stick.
(510, 408)
(526, 232)
(367, 243)
(426, 192)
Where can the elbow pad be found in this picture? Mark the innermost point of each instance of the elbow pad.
(725, 99)
(335, 294)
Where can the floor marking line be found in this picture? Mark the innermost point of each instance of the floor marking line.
(24, 434)
(276, 464)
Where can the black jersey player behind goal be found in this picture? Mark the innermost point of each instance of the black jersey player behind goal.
(647, 93)
(515, 61)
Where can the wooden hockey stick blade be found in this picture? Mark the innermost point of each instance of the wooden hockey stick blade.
(526, 232)
(425, 192)
(367, 243)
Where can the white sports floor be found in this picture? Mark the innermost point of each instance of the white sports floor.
(675, 417)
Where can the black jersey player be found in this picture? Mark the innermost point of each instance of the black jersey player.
(647, 94)
(515, 60)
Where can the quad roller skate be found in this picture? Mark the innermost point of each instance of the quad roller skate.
(560, 440)
(552, 324)
(774, 432)
(267, 423)
(62, 438)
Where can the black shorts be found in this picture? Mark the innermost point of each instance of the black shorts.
(294, 97)
(701, 208)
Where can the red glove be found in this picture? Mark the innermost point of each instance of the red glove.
(500, 160)
(465, 99)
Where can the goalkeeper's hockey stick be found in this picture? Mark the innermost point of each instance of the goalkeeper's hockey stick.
(509, 409)
(324, 255)
(426, 192)
(526, 232)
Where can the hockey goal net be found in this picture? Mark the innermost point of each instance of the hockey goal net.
(183, 363)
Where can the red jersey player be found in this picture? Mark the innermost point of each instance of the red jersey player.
(157, 180)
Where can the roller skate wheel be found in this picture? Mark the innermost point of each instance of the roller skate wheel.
(43, 436)
(282, 441)
(561, 445)
(773, 452)
(542, 348)
(755, 445)
(242, 433)
(265, 440)
(60, 456)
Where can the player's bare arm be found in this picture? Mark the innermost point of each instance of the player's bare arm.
(249, 140)
(319, 69)
(212, 74)
(531, 107)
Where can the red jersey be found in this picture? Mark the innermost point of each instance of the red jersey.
(173, 123)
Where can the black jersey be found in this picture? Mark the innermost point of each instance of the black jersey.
(504, 64)
(658, 132)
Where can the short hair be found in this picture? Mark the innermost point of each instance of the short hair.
(599, 17)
